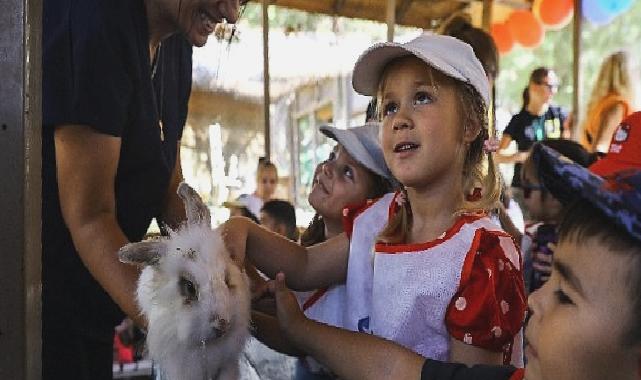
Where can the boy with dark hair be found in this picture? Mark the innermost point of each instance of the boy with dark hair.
(584, 321)
(279, 216)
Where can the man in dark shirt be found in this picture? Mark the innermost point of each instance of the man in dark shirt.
(114, 105)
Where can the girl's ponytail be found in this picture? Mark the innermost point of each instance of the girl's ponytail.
(399, 224)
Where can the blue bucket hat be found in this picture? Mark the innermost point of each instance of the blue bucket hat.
(617, 195)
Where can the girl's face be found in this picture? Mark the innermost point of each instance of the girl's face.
(423, 137)
(339, 181)
(266, 184)
(580, 317)
(197, 18)
(543, 91)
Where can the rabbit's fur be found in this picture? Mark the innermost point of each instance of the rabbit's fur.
(195, 297)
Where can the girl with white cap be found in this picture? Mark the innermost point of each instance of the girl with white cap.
(424, 267)
(354, 174)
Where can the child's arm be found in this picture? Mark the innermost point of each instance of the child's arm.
(471, 355)
(267, 331)
(350, 355)
(309, 268)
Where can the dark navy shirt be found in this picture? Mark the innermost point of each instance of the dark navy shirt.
(526, 129)
(97, 72)
(435, 370)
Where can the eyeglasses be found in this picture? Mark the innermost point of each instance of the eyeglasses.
(551, 87)
(528, 189)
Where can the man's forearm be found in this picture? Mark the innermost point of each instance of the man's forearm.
(97, 241)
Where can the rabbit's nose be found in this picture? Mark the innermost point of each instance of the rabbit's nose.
(219, 325)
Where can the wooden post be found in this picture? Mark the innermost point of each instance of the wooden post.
(487, 15)
(576, 75)
(391, 19)
(20, 164)
(266, 96)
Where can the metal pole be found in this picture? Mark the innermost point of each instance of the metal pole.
(20, 162)
(266, 96)
(487, 14)
(391, 19)
(576, 75)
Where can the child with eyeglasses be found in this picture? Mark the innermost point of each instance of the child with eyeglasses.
(540, 237)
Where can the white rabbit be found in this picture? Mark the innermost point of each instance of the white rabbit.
(195, 297)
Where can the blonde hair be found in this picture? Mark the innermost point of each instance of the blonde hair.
(479, 169)
(265, 164)
(614, 78)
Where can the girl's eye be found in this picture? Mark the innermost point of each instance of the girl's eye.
(348, 172)
(562, 298)
(332, 156)
(423, 97)
(390, 108)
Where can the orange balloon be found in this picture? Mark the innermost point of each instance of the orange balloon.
(556, 14)
(502, 37)
(525, 28)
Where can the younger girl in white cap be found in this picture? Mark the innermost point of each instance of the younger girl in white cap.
(424, 267)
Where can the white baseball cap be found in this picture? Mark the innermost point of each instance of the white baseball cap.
(446, 54)
(362, 143)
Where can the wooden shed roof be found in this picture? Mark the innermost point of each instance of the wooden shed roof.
(426, 14)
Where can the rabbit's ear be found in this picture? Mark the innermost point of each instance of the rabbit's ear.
(197, 211)
(143, 253)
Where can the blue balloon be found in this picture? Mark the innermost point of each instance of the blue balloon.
(595, 13)
(615, 7)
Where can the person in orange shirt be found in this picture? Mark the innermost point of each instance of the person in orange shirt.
(610, 103)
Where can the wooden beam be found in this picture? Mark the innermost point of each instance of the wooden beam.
(266, 95)
(576, 74)
(391, 19)
(338, 6)
(402, 10)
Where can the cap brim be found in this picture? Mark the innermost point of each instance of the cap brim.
(352, 145)
(233, 204)
(370, 65)
(564, 178)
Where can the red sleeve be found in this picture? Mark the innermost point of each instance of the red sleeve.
(350, 212)
(489, 307)
(519, 374)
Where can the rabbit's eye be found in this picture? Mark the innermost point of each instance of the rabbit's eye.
(188, 290)
(228, 281)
